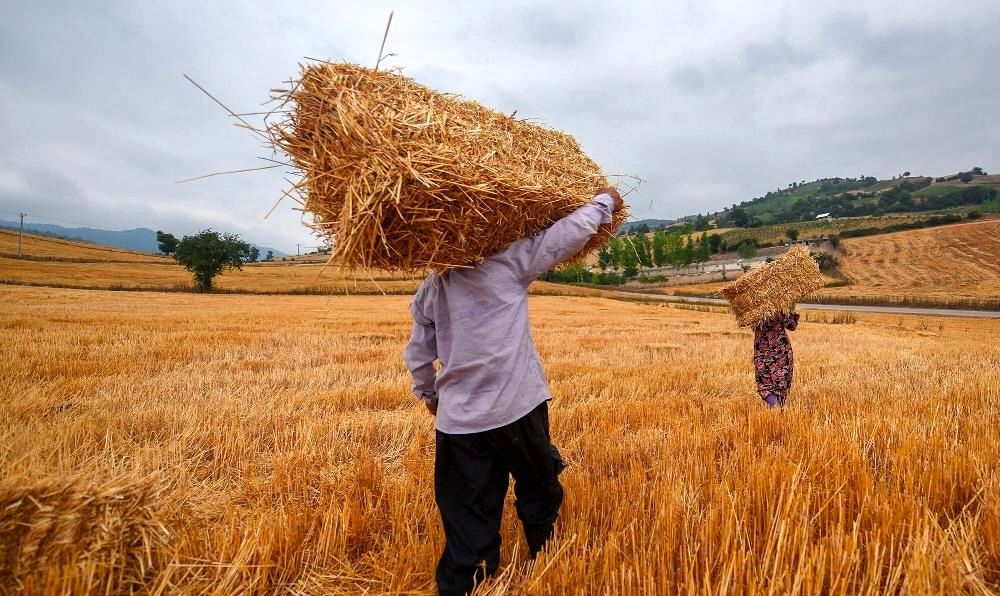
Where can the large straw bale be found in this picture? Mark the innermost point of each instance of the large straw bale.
(65, 536)
(399, 177)
(773, 288)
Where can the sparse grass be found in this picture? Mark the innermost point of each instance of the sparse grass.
(247, 444)
(835, 318)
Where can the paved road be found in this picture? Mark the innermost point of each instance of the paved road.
(898, 310)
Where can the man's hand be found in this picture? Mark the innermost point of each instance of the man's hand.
(613, 192)
(432, 405)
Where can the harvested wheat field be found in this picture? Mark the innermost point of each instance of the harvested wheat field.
(259, 278)
(254, 278)
(46, 248)
(262, 444)
(82, 266)
(958, 261)
(63, 263)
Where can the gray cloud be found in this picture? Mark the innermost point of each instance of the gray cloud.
(710, 102)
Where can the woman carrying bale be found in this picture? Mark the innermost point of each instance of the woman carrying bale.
(772, 358)
(763, 300)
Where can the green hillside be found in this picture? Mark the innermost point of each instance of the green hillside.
(864, 196)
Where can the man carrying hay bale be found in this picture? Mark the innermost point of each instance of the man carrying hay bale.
(399, 177)
(490, 396)
(764, 299)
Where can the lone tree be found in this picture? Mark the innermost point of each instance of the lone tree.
(208, 253)
(254, 254)
(792, 234)
(167, 242)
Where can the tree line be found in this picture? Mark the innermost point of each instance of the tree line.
(657, 249)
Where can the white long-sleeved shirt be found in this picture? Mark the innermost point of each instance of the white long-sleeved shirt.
(475, 321)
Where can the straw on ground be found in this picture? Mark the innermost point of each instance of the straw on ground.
(297, 461)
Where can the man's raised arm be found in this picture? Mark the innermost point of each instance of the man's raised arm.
(531, 257)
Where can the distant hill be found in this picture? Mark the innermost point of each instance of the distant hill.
(141, 239)
(652, 224)
(862, 196)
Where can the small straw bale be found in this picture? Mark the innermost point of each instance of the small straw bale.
(399, 177)
(76, 536)
(773, 288)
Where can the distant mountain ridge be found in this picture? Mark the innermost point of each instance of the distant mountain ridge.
(140, 239)
(651, 224)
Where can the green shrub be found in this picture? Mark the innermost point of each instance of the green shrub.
(655, 279)
(826, 262)
(747, 249)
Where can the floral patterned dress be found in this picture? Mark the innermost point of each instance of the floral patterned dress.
(772, 357)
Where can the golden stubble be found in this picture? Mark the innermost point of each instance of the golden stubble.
(256, 444)
(960, 261)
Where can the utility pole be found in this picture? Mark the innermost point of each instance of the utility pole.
(298, 251)
(20, 236)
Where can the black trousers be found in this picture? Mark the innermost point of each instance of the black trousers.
(471, 473)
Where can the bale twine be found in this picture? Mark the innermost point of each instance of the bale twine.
(65, 536)
(399, 177)
(773, 288)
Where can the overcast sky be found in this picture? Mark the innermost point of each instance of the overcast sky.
(711, 102)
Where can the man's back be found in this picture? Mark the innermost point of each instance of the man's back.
(490, 373)
(475, 321)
